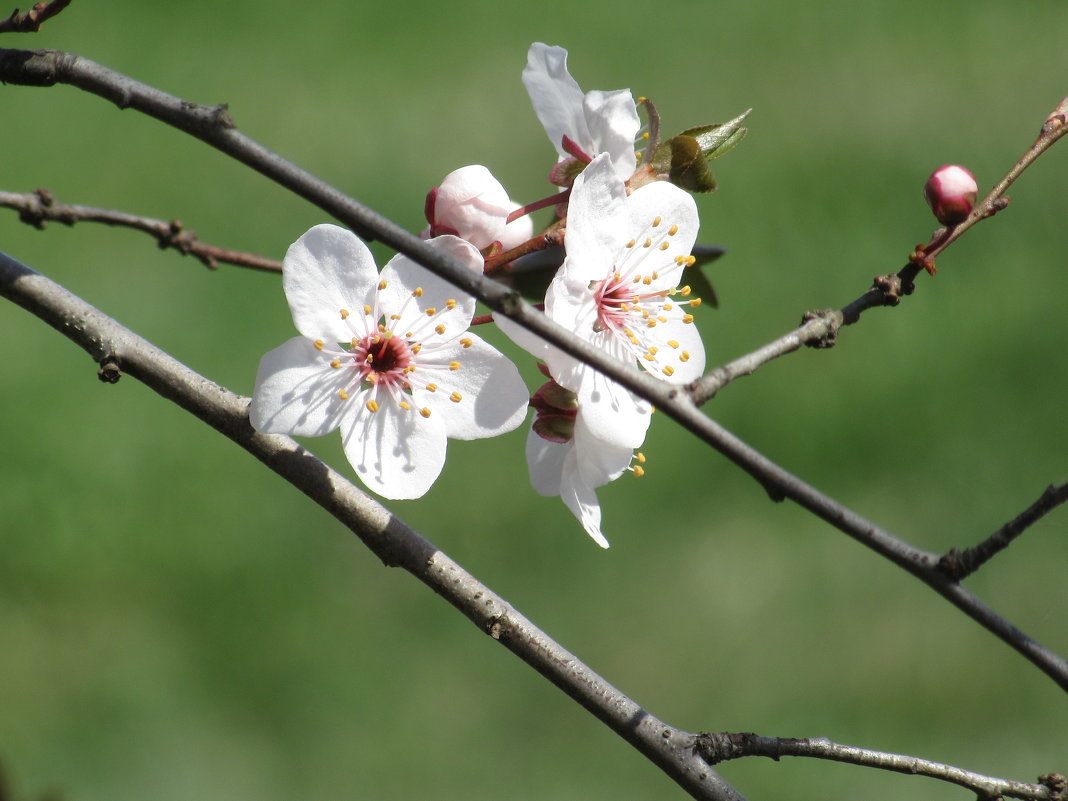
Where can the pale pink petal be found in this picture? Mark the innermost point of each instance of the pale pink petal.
(612, 120)
(555, 95)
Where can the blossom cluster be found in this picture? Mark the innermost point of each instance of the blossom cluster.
(388, 359)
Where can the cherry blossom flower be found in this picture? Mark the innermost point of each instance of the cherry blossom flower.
(566, 460)
(471, 204)
(385, 358)
(580, 124)
(618, 290)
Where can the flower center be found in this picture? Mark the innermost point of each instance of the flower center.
(383, 359)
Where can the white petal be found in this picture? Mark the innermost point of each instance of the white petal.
(326, 270)
(613, 414)
(580, 498)
(493, 398)
(613, 123)
(517, 231)
(545, 462)
(689, 340)
(296, 392)
(397, 454)
(555, 95)
(403, 277)
(598, 462)
(474, 204)
(597, 223)
(674, 206)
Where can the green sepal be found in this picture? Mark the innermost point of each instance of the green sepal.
(681, 159)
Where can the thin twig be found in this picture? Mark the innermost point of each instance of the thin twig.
(40, 208)
(820, 328)
(721, 747)
(958, 564)
(110, 344)
(31, 21)
(213, 125)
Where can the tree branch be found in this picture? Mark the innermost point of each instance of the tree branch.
(959, 564)
(397, 545)
(214, 126)
(721, 747)
(31, 21)
(820, 328)
(40, 208)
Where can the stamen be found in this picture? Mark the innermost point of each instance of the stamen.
(639, 457)
(432, 387)
(456, 397)
(684, 356)
(343, 395)
(450, 304)
(664, 245)
(381, 285)
(673, 343)
(454, 366)
(656, 221)
(632, 243)
(668, 370)
(431, 312)
(439, 328)
(367, 309)
(687, 318)
(336, 364)
(673, 230)
(319, 344)
(425, 412)
(344, 314)
(466, 342)
(638, 471)
(417, 292)
(695, 302)
(648, 243)
(405, 405)
(372, 406)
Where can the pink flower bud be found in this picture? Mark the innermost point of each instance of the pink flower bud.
(473, 205)
(951, 191)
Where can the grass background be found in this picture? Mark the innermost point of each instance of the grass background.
(176, 623)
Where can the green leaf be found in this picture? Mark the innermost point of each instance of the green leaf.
(718, 138)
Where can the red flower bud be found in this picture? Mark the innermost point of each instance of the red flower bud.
(951, 192)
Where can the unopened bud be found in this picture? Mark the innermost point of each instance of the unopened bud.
(951, 192)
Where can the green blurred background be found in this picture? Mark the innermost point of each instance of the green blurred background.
(177, 623)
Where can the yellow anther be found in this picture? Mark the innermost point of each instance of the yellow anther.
(336, 364)
(466, 342)
(664, 245)
(684, 291)
(372, 406)
(679, 260)
(669, 370)
(638, 471)
(632, 243)
(662, 318)
(355, 343)
(367, 309)
(450, 304)
(656, 221)
(431, 312)
(431, 387)
(319, 344)
(695, 302)
(616, 276)
(381, 285)
(417, 292)
(634, 340)
(456, 397)
(673, 343)
(343, 395)
(394, 317)
(404, 405)
(425, 412)
(651, 324)
(687, 318)
(648, 243)
(408, 335)
(439, 328)
(454, 366)
(668, 306)
(639, 457)
(416, 349)
(684, 356)
(645, 135)
(650, 357)
(647, 280)
(653, 349)
(673, 230)
(645, 314)
(636, 279)
(691, 261)
(344, 314)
